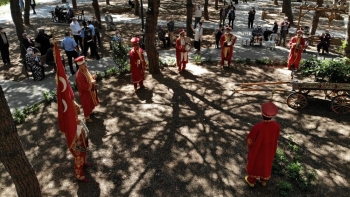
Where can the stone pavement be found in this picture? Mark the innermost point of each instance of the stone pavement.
(28, 92)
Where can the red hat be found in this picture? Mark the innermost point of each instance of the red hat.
(181, 31)
(269, 109)
(135, 40)
(80, 60)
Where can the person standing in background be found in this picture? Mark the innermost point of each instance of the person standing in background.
(251, 17)
(285, 25)
(197, 15)
(137, 64)
(4, 47)
(21, 5)
(198, 37)
(171, 26)
(76, 30)
(33, 4)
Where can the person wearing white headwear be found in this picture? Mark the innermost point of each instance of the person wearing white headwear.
(34, 65)
(285, 25)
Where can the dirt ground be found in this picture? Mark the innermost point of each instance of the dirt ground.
(184, 135)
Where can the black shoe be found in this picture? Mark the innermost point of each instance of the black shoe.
(73, 73)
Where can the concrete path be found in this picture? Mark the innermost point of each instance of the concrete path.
(28, 92)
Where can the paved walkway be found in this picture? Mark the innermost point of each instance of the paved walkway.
(28, 92)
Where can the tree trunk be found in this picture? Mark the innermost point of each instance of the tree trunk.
(347, 48)
(26, 12)
(316, 18)
(151, 30)
(64, 1)
(107, 2)
(97, 10)
(137, 8)
(216, 4)
(11, 153)
(287, 10)
(74, 4)
(206, 12)
(18, 21)
(189, 7)
(275, 2)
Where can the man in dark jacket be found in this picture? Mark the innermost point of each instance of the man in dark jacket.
(44, 40)
(251, 17)
(4, 47)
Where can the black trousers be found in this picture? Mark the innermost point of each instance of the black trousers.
(93, 51)
(5, 54)
(250, 24)
(230, 22)
(70, 55)
(78, 39)
(97, 38)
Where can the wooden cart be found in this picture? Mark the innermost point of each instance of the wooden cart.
(339, 93)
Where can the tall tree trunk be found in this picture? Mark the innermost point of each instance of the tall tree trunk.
(74, 4)
(97, 10)
(107, 2)
(316, 18)
(275, 2)
(11, 152)
(287, 10)
(347, 48)
(206, 12)
(18, 21)
(26, 12)
(137, 8)
(189, 6)
(216, 4)
(151, 30)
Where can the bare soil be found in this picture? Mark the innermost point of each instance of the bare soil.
(184, 135)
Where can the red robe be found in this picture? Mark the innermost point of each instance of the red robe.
(78, 150)
(228, 56)
(137, 70)
(295, 52)
(87, 91)
(180, 48)
(262, 144)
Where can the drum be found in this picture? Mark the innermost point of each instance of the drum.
(229, 43)
(187, 47)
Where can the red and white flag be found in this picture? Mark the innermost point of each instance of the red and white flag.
(67, 121)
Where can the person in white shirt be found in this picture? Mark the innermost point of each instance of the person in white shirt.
(198, 37)
(197, 15)
(76, 30)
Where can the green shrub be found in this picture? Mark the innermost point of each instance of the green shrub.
(198, 59)
(50, 96)
(4, 2)
(248, 61)
(168, 61)
(263, 61)
(120, 54)
(18, 116)
(337, 70)
(285, 188)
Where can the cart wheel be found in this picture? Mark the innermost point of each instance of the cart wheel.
(297, 100)
(341, 104)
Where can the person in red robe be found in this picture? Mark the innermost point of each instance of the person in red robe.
(86, 84)
(262, 144)
(78, 150)
(296, 44)
(182, 49)
(137, 64)
(226, 42)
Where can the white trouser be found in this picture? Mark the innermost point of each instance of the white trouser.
(184, 56)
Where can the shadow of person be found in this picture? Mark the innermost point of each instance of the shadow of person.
(97, 129)
(145, 94)
(90, 189)
(188, 75)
